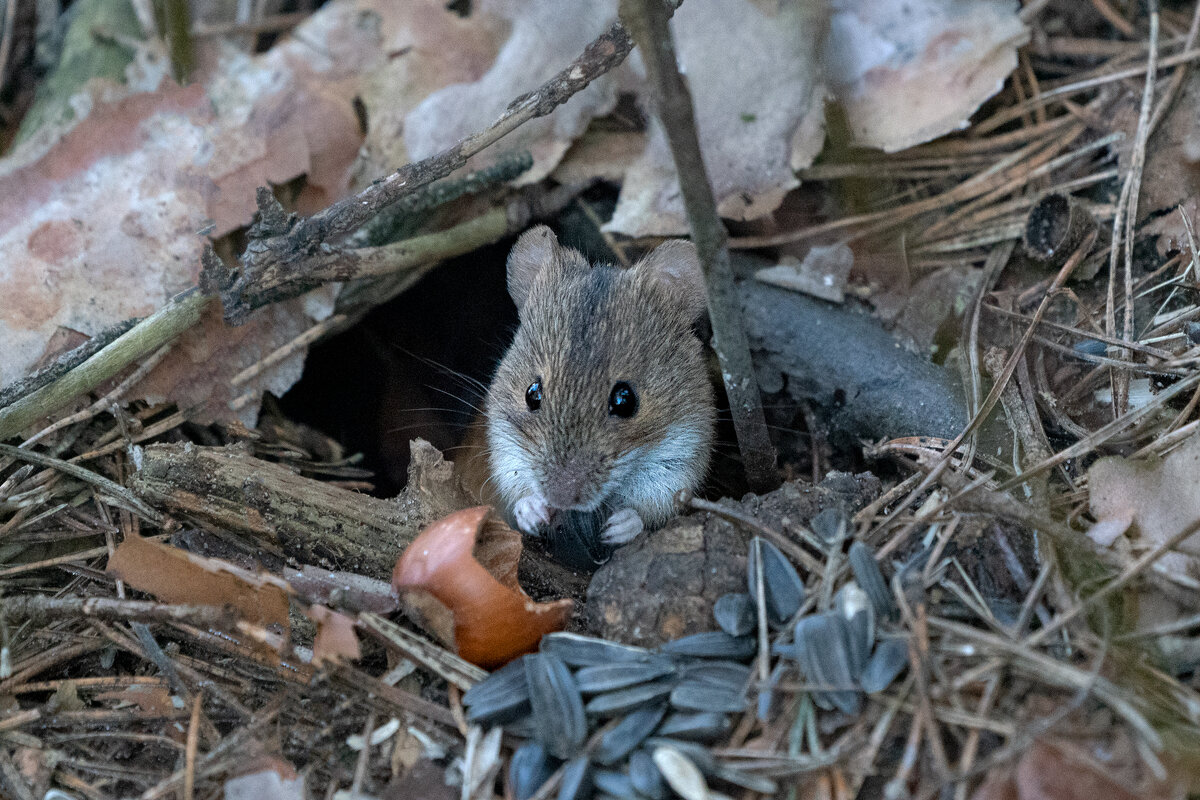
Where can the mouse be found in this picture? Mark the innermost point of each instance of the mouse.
(602, 407)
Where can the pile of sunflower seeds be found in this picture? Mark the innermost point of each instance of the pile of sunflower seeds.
(652, 713)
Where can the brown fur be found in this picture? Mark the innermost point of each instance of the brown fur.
(584, 328)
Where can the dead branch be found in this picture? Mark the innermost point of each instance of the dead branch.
(42, 607)
(310, 521)
(647, 20)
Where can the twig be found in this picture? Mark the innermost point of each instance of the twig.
(106, 402)
(1127, 216)
(153, 332)
(193, 746)
(647, 22)
(8, 24)
(39, 606)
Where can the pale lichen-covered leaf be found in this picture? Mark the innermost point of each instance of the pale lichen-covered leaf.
(103, 225)
(905, 73)
(759, 100)
(546, 35)
(430, 48)
(1161, 495)
(822, 273)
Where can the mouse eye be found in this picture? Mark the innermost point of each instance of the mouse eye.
(622, 401)
(533, 395)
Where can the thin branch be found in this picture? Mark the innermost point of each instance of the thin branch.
(153, 332)
(44, 607)
(647, 22)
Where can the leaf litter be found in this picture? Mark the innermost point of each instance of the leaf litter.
(994, 626)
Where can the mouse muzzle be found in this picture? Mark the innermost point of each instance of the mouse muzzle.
(572, 485)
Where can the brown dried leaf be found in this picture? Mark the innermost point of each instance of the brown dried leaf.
(100, 223)
(545, 36)
(433, 48)
(1062, 770)
(909, 72)
(335, 637)
(752, 141)
(1171, 177)
(176, 576)
(1163, 496)
(152, 699)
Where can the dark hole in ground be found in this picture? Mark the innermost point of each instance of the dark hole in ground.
(410, 367)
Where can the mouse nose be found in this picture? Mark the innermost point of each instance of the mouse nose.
(566, 487)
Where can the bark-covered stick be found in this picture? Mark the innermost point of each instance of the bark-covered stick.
(647, 21)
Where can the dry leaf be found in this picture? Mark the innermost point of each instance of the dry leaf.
(909, 72)
(177, 576)
(546, 36)
(335, 637)
(101, 223)
(1171, 180)
(278, 781)
(759, 97)
(153, 699)
(1072, 771)
(1162, 495)
(822, 273)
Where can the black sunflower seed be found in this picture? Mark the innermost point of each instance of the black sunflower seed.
(628, 734)
(713, 644)
(609, 677)
(556, 704)
(615, 703)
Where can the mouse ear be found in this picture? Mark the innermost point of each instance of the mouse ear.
(536, 250)
(675, 267)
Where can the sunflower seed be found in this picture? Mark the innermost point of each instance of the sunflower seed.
(556, 704)
(735, 614)
(858, 616)
(586, 651)
(615, 784)
(830, 524)
(531, 767)
(614, 703)
(523, 728)
(645, 777)
(680, 773)
(698, 754)
(719, 673)
(782, 587)
(822, 649)
(628, 734)
(576, 780)
(500, 698)
(607, 677)
(870, 578)
(888, 661)
(755, 783)
(701, 726)
(697, 696)
(766, 694)
(713, 644)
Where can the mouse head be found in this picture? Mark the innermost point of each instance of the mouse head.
(603, 400)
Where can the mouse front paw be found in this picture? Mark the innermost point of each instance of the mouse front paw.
(531, 514)
(621, 527)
